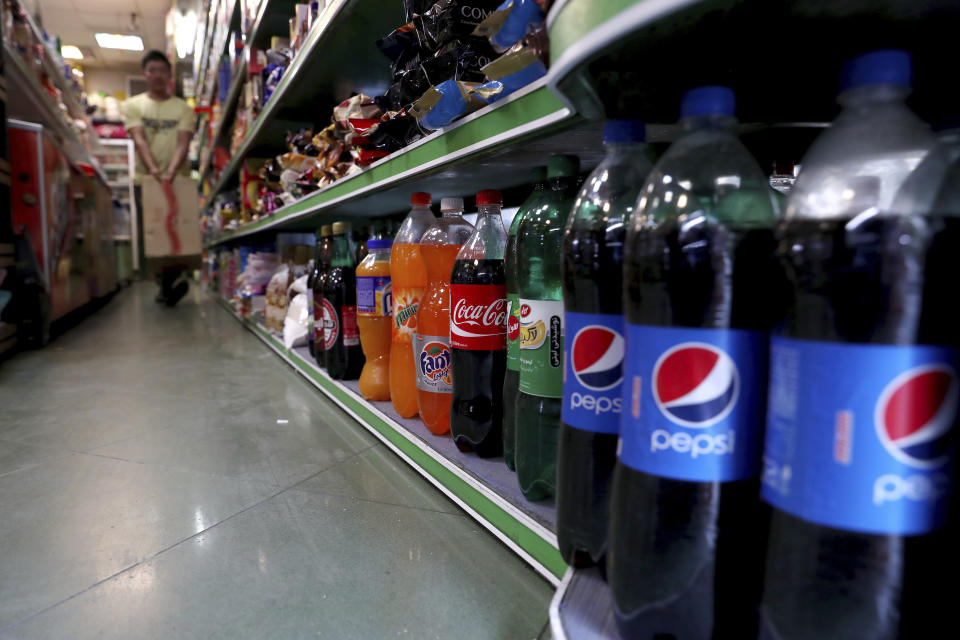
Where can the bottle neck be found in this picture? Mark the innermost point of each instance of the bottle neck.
(540, 186)
(874, 94)
(486, 212)
(316, 251)
(451, 214)
(341, 255)
(563, 183)
(714, 121)
(624, 149)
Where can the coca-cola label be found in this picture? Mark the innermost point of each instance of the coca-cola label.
(331, 326)
(351, 333)
(478, 317)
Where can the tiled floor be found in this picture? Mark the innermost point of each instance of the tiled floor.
(148, 490)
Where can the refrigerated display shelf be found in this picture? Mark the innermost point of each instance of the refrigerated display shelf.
(494, 147)
(29, 101)
(484, 488)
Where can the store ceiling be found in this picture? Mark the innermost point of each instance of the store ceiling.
(75, 21)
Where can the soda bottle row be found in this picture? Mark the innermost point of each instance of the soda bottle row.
(785, 383)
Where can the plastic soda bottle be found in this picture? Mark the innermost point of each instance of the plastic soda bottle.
(700, 291)
(478, 332)
(375, 319)
(511, 380)
(431, 346)
(409, 282)
(342, 336)
(593, 345)
(321, 312)
(539, 246)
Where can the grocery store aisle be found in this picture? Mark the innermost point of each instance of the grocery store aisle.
(163, 475)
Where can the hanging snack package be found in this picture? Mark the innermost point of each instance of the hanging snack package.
(509, 23)
(513, 70)
(416, 7)
(450, 20)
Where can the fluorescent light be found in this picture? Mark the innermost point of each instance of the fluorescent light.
(72, 52)
(119, 41)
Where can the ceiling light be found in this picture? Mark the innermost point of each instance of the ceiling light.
(71, 52)
(119, 41)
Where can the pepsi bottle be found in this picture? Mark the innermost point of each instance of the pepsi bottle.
(687, 529)
(593, 342)
(858, 459)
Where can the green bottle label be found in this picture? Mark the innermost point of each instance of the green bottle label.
(541, 347)
(513, 332)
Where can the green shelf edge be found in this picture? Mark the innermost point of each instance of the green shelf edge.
(579, 17)
(499, 120)
(539, 549)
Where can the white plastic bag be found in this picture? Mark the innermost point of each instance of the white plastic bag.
(295, 324)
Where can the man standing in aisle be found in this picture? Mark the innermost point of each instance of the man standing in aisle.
(161, 126)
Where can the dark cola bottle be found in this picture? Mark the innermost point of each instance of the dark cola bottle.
(594, 343)
(344, 355)
(688, 529)
(864, 388)
(478, 332)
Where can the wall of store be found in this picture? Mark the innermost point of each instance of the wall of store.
(109, 81)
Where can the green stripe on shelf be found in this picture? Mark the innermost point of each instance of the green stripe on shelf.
(580, 17)
(538, 548)
(529, 108)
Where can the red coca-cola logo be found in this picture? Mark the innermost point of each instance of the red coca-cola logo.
(478, 317)
(513, 328)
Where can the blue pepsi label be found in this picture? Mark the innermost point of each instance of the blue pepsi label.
(593, 371)
(693, 402)
(860, 436)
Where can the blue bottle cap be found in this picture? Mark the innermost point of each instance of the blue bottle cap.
(616, 131)
(886, 66)
(379, 243)
(708, 101)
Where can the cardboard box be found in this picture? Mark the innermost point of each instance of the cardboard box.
(171, 218)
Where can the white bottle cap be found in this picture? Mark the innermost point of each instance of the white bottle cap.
(451, 204)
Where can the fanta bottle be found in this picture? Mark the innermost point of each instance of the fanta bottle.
(431, 345)
(409, 282)
(375, 319)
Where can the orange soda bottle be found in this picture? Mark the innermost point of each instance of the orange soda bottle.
(431, 346)
(409, 281)
(375, 319)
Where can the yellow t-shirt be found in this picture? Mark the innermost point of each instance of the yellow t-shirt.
(162, 121)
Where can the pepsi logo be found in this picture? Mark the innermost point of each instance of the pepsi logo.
(597, 357)
(524, 310)
(695, 384)
(915, 415)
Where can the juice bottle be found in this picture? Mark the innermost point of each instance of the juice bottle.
(375, 319)
(431, 345)
(409, 281)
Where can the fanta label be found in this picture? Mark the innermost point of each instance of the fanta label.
(432, 357)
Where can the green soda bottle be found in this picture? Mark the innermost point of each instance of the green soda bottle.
(511, 381)
(539, 250)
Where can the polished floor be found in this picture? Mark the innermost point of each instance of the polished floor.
(163, 475)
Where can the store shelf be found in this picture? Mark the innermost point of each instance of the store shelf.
(634, 58)
(484, 488)
(582, 607)
(226, 115)
(272, 20)
(338, 58)
(494, 147)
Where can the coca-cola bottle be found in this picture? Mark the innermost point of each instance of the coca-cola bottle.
(478, 332)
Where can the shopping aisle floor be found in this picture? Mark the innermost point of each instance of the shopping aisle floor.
(164, 475)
